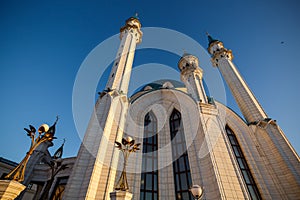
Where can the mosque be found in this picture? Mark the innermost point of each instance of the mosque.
(186, 138)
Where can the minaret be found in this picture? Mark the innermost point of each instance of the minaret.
(94, 172)
(130, 36)
(248, 104)
(191, 74)
(277, 158)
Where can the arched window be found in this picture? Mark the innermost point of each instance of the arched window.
(181, 167)
(149, 176)
(248, 178)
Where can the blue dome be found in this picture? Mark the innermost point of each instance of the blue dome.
(156, 85)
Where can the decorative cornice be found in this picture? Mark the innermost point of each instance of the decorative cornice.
(128, 27)
(217, 42)
(188, 71)
(112, 93)
(221, 54)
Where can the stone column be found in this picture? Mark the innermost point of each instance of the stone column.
(247, 102)
(120, 195)
(130, 36)
(10, 189)
(93, 174)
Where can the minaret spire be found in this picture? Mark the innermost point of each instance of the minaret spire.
(130, 35)
(136, 15)
(248, 104)
(210, 38)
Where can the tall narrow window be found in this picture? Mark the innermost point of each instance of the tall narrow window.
(149, 176)
(181, 167)
(248, 178)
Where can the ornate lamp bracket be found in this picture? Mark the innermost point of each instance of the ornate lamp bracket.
(128, 146)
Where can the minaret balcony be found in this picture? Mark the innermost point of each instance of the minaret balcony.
(220, 55)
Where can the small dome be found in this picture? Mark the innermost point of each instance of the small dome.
(159, 84)
(148, 87)
(168, 85)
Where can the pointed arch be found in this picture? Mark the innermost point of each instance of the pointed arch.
(149, 175)
(243, 165)
(181, 166)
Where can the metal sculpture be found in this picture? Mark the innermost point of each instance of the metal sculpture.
(128, 146)
(44, 134)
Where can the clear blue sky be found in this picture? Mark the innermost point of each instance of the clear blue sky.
(43, 43)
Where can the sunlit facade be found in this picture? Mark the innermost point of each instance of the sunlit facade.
(187, 138)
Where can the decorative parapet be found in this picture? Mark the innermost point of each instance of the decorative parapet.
(221, 54)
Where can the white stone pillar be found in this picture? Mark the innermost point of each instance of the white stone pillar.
(94, 172)
(248, 104)
(130, 35)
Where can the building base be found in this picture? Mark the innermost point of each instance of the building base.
(10, 189)
(120, 195)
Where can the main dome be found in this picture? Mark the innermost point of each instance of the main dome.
(157, 85)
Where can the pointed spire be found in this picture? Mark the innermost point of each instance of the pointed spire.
(59, 151)
(210, 38)
(52, 128)
(136, 15)
(185, 53)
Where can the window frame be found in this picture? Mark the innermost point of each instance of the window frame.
(240, 159)
(181, 166)
(150, 146)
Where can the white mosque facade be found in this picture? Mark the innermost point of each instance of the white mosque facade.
(186, 138)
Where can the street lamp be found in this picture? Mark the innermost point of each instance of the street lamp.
(44, 134)
(126, 148)
(196, 191)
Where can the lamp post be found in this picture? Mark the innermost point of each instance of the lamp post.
(11, 186)
(196, 191)
(45, 134)
(128, 146)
